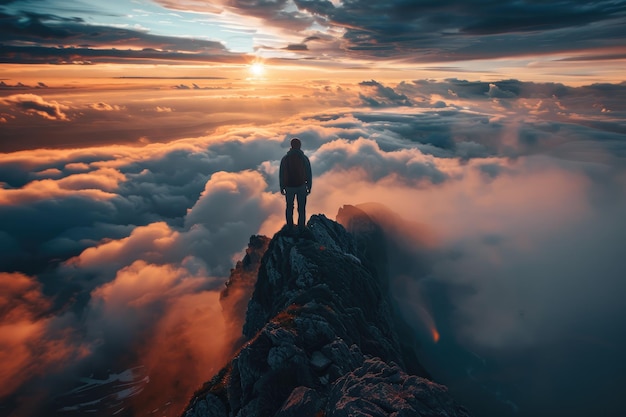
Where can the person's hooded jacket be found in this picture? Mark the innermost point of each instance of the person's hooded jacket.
(295, 170)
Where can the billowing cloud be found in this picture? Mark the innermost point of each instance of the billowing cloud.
(381, 95)
(209, 237)
(95, 185)
(189, 344)
(30, 340)
(366, 156)
(37, 105)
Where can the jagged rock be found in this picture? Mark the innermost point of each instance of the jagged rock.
(377, 389)
(321, 339)
(319, 361)
(303, 402)
(210, 405)
(239, 287)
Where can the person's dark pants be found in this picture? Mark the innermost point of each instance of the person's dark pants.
(300, 194)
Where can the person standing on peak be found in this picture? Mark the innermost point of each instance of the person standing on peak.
(295, 181)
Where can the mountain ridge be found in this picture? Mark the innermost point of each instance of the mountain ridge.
(320, 336)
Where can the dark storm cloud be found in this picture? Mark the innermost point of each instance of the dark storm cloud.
(449, 30)
(411, 31)
(34, 38)
(446, 30)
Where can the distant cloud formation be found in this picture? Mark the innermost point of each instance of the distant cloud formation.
(101, 106)
(33, 104)
(21, 86)
(380, 95)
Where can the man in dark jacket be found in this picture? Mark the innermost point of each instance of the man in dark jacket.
(295, 181)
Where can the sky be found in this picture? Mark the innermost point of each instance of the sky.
(139, 151)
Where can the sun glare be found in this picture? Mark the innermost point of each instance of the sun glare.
(257, 69)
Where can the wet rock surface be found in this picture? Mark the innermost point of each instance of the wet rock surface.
(320, 339)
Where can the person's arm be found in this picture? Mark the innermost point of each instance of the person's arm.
(280, 176)
(309, 176)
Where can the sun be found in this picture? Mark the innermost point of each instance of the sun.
(257, 69)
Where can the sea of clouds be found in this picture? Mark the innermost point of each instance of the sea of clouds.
(114, 255)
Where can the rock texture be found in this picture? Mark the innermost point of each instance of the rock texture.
(321, 339)
(239, 289)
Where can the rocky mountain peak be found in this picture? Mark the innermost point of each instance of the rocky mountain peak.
(320, 335)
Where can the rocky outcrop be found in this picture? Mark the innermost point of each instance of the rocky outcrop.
(239, 289)
(321, 339)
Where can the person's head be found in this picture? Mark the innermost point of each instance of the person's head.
(295, 143)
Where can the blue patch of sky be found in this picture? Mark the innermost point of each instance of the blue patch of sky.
(146, 16)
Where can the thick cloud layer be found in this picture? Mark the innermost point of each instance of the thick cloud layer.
(450, 30)
(419, 32)
(114, 255)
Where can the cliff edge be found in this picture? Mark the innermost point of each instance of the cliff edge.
(320, 337)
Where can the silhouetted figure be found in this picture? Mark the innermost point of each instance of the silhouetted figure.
(295, 181)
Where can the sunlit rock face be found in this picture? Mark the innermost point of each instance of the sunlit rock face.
(322, 339)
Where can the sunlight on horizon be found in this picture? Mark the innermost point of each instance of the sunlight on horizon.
(257, 69)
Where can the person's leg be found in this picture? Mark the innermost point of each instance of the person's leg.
(301, 195)
(289, 196)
